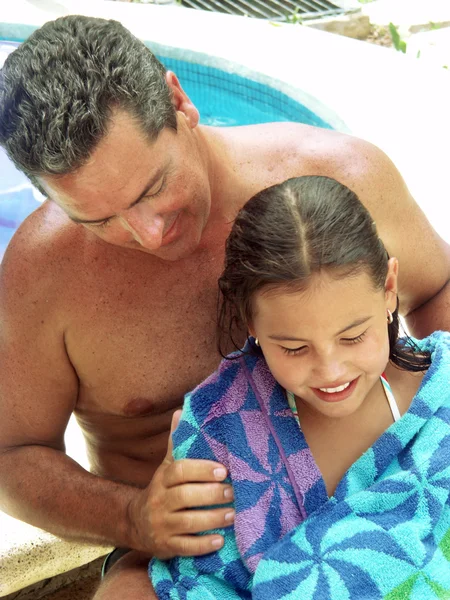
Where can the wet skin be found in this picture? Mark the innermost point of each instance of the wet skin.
(116, 322)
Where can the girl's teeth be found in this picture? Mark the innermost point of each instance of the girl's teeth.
(341, 388)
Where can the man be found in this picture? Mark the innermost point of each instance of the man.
(108, 291)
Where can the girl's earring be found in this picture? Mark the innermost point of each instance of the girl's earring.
(390, 318)
(257, 341)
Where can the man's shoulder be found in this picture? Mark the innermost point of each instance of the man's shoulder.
(295, 149)
(30, 273)
(354, 162)
(41, 245)
(42, 261)
(335, 154)
(301, 137)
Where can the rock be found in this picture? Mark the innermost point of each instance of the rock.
(356, 26)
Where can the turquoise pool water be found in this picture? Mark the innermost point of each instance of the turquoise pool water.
(223, 99)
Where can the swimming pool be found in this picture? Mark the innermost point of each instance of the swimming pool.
(224, 99)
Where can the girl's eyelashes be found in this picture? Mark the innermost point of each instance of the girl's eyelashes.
(355, 340)
(296, 351)
(293, 351)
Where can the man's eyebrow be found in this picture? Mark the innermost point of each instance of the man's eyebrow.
(149, 185)
(289, 338)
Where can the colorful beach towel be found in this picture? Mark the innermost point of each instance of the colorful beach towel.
(385, 534)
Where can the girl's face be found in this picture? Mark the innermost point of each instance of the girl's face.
(329, 343)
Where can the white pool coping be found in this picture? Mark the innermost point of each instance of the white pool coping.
(392, 100)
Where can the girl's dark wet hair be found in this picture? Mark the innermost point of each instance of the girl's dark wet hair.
(289, 232)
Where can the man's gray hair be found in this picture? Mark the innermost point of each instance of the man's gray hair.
(59, 88)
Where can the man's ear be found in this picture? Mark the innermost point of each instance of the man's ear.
(181, 100)
(391, 285)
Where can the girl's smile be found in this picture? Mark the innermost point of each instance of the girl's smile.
(336, 393)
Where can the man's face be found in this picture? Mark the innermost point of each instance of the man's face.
(150, 196)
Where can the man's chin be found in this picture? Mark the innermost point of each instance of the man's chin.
(171, 252)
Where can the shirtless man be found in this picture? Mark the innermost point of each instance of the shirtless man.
(108, 291)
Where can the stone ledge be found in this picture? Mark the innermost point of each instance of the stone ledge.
(29, 555)
(80, 583)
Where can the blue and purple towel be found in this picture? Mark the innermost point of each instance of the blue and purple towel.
(385, 534)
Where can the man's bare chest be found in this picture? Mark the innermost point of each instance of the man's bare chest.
(139, 341)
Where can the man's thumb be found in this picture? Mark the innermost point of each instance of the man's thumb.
(175, 420)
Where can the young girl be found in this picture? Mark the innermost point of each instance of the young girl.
(335, 432)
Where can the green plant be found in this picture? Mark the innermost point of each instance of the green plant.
(399, 44)
(295, 18)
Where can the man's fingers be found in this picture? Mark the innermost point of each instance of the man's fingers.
(199, 521)
(174, 424)
(194, 495)
(186, 545)
(185, 524)
(190, 470)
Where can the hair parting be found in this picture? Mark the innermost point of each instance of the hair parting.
(289, 232)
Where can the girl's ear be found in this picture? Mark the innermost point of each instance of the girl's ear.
(390, 285)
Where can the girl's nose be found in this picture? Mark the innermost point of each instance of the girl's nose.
(328, 369)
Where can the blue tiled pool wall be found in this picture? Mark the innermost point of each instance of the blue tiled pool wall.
(228, 99)
(223, 99)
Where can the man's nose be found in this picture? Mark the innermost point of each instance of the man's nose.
(146, 226)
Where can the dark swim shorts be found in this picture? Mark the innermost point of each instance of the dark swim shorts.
(112, 558)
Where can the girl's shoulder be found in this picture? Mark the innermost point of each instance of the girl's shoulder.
(208, 411)
(437, 376)
(236, 364)
(226, 387)
(439, 340)
(436, 346)
(427, 388)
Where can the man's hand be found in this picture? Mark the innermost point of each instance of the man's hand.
(164, 516)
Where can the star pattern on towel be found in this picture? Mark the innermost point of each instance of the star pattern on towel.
(258, 472)
(379, 544)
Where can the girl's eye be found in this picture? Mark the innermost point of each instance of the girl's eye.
(293, 351)
(355, 340)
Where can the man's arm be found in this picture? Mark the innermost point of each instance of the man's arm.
(38, 482)
(424, 258)
(433, 315)
(38, 391)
